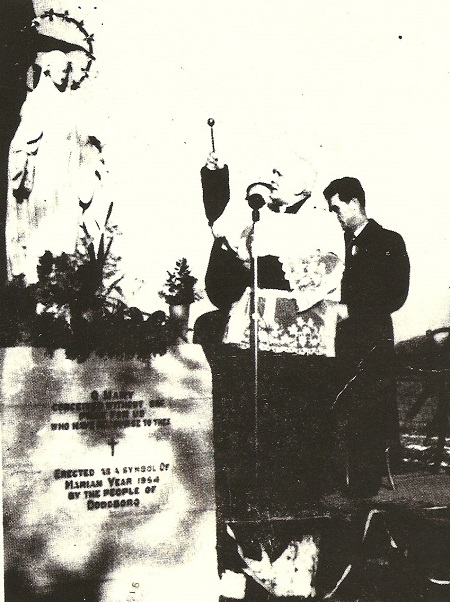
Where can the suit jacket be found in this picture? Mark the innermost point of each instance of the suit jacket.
(374, 285)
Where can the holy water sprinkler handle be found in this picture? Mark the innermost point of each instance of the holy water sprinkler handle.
(211, 123)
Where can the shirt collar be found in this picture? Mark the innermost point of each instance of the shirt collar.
(358, 230)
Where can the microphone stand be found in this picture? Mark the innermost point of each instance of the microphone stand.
(254, 339)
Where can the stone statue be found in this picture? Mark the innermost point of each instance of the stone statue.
(55, 164)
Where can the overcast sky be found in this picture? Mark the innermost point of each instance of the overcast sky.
(358, 88)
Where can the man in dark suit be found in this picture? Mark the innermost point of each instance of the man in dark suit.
(374, 285)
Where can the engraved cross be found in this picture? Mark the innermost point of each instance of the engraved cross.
(112, 442)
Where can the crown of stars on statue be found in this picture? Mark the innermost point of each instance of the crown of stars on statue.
(53, 30)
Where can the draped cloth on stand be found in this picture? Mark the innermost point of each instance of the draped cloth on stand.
(300, 318)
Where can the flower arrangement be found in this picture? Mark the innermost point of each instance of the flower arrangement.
(84, 285)
(179, 288)
(77, 304)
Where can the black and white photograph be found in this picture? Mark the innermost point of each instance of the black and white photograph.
(225, 300)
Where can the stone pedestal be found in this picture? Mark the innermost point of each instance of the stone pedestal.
(108, 489)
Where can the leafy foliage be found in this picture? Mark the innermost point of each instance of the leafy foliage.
(179, 288)
(83, 285)
(18, 311)
(78, 304)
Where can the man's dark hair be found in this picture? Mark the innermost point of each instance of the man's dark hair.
(347, 188)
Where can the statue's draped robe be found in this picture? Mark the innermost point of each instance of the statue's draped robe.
(54, 170)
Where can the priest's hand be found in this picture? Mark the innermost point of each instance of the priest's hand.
(213, 162)
(341, 308)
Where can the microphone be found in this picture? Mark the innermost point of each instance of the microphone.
(256, 201)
